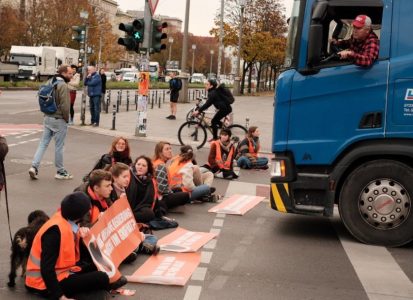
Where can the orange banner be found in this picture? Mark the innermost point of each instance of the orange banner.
(237, 205)
(168, 269)
(182, 240)
(113, 237)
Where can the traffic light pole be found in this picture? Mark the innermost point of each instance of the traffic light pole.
(84, 72)
(142, 114)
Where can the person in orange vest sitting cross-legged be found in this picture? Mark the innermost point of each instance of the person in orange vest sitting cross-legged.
(52, 267)
(221, 156)
(247, 157)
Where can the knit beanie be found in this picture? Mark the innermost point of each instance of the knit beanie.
(75, 205)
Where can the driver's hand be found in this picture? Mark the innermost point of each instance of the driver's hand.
(345, 54)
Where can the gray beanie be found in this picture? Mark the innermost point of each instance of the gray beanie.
(75, 205)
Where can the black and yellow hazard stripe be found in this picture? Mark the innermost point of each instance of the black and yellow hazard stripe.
(280, 196)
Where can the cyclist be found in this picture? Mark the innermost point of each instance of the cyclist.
(217, 97)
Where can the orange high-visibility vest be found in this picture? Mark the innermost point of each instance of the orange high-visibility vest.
(251, 149)
(218, 156)
(157, 162)
(68, 253)
(174, 177)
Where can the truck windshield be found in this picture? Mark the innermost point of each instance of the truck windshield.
(293, 33)
(24, 60)
(153, 69)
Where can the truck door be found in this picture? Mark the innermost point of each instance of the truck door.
(400, 105)
(338, 103)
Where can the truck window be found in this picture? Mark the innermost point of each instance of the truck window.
(337, 24)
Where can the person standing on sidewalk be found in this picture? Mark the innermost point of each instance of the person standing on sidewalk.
(175, 85)
(55, 126)
(104, 79)
(94, 91)
(73, 85)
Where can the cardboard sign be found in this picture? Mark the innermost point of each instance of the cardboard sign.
(237, 205)
(113, 237)
(182, 240)
(167, 269)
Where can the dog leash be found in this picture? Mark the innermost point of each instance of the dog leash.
(7, 200)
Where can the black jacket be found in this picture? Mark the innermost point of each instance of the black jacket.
(140, 192)
(216, 98)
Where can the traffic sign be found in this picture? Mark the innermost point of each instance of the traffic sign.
(152, 6)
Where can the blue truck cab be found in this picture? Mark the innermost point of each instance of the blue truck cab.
(343, 134)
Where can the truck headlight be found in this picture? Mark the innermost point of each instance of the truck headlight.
(278, 168)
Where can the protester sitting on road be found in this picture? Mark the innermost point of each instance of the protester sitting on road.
(167, 199)
(98, 188)
(181, 176)
(52, 269)
(121, 179)
(141, 192)
(221, 156)
(119, 152)
(248, 149)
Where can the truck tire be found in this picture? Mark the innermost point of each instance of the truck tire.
(376, 203)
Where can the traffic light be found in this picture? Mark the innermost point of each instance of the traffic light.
(79, 33)
(158, 35)
(134, 34)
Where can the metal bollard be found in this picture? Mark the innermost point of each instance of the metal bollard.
(108, 101)
(136, 101)
(118, 101)
(127, 100)
(163, 96)
(120, 97)
(114, 117)
(247, 123)
(159, 101)
(156, 95)
(152, 101)
(83, 109)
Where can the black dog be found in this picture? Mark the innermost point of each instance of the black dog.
(22, 243)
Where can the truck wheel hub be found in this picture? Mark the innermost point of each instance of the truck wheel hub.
(384, 204)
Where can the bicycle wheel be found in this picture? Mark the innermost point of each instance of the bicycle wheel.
(192, 133)
(238, 132)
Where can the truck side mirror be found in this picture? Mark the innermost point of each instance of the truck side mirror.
(314, 44)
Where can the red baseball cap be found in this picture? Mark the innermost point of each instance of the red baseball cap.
(361, 21)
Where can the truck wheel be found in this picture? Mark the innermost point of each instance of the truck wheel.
(376, 203)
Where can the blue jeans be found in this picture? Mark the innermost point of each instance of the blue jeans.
(200, 191)
(94, 102)
(56, 128)
(244, 162)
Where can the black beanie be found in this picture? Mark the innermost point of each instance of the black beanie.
(75, 205)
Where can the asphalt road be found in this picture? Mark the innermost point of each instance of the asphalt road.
(261, 255)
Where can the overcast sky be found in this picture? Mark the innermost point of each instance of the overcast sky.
(201, 16)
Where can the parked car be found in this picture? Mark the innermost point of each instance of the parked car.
(130, 76)
(110, 75)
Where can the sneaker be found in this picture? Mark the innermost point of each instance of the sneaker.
(219, 175)
(33, 172)
(118, 283)
(131, 258)
(169, 117)
(63, 175)
(70, 123)
(212, 190)
(173, 117)
(95, 125)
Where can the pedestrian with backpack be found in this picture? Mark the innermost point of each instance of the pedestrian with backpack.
(54, 102)
(93, 82)
(175, 85)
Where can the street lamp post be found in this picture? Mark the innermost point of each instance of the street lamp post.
(170, 40)
(84, 15)
(210, 65)
(237, 90)
(193, 57)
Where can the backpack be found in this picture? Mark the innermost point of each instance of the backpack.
(47, 97)
(226, 94)
(177, 84)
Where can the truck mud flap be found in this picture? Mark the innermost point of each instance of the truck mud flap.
(280, 198)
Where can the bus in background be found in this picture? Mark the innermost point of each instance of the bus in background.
(154, 70)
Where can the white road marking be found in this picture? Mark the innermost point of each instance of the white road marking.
(377, 270)
(206, 257)
(215, 230)
(211, 244)
(218, 223)
(192, 292)
(199, 274)
(222, 216)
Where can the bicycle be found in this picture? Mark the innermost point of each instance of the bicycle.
(194, 131)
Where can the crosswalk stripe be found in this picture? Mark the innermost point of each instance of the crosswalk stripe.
(377, 270)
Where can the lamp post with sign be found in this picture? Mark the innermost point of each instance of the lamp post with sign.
(193, 57)
(237, 89)
(170, 40)
(84, 15)
(210, 64)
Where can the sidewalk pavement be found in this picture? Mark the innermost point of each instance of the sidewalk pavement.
(259, 110)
